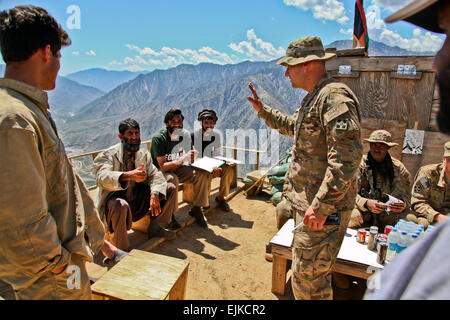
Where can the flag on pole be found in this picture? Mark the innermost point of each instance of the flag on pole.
(360, 27)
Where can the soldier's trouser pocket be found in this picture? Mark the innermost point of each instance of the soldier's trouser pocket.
(313, 255)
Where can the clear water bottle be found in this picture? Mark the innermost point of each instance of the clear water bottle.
(412, 238)
(392, 244)
(402, 242)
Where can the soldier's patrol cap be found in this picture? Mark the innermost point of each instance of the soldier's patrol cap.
(422, 13)
(381, 136)
(447, 149)
(205, 113)
(304, 50)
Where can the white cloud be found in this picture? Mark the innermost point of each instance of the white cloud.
(333, 10)
(91, 53)
(257, 49)
(390, 4)
(378, 30)
(76, 53)
(171, 57)
(348, 31)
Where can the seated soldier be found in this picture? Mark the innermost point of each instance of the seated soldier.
(208, 143)
(172, 152)
(380, 175)
(430, 201)
(130, 186)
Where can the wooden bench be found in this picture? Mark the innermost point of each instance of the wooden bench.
(143, 276)
(354, 258)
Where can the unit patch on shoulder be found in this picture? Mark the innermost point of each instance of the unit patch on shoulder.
(342, 124)
(424, 182)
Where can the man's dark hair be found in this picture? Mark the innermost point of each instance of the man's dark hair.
(127, 124)
(25, 29)
(172, 113)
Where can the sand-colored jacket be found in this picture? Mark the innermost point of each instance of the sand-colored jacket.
(46, 213)
(430, 192)
(109, 166)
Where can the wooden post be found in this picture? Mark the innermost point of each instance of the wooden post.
(235, 171)
(257, 161)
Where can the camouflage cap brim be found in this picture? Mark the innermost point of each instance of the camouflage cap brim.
(422, 13)
(291, 61)
(390, 144)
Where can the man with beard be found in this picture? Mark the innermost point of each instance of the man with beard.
(130, 186)
(381, 175)
(172, 153)
(208, 143)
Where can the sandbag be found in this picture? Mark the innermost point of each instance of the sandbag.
(276, 198)
(276, 188)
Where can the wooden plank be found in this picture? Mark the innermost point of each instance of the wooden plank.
(416, 76)
(351, 52)
(141, 276)
(379, 63)
(382, 97)
(178, 291)
(279, 271)
(396, 128)
(95, 271)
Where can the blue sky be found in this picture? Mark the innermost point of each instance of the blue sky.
(159, 34)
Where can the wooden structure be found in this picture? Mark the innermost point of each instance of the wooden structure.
(143, 276)
(396, 102)
(353, 259)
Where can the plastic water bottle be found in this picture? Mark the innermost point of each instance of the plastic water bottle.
(411, 239)
(392, 244)
(402, 242)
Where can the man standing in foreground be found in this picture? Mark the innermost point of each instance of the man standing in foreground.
(49, 226)
(326, 154)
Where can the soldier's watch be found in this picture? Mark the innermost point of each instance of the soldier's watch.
(155, 193)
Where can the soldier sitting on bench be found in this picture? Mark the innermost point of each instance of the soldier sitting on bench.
(430, 199)
(380, 175)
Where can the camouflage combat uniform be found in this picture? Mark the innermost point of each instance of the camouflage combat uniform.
(326, 154)
(430, 194)
(401, 189)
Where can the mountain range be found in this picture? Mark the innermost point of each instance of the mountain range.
(102, 79)
(88, 105)
(379, 49)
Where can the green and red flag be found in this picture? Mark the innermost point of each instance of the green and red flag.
(360, 27)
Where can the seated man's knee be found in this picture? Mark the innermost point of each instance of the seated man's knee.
(171, 189)
(412, 217)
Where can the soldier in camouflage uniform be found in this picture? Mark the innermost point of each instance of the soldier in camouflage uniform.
(380, 175)
(326, 154)
(430, 201)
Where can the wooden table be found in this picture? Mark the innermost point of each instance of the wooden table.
(353, 259)
(143, 276)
